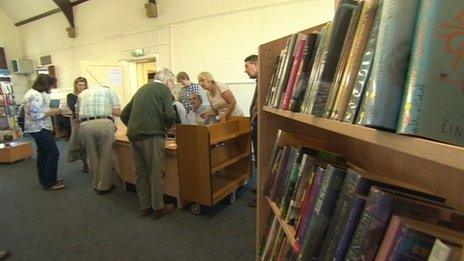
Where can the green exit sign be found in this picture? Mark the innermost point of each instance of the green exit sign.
(138, 52)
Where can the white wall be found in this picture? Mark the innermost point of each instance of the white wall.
(189, 35)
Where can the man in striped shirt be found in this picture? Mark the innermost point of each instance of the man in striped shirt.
(188, 89)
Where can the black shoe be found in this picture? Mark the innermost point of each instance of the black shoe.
(101, 192)
(253, 203)
(144, 212)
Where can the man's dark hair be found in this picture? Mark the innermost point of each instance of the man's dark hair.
(44, 83)
(252, 59)
(182, 76)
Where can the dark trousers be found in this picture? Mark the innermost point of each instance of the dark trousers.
(47, 157)
(254, 139)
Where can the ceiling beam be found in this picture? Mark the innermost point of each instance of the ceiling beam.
(66, 7)
(40, 16)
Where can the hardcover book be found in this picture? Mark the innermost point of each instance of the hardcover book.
(322, 212)
(312, 42)
(345, 89)
(319, 90)
(297, 59)
(433, 105)
(286, 66)
(383, 96)
(363, 76)
(342, 62)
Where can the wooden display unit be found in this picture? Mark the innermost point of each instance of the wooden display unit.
(213, 161)
(126, 171)
(432, 166)
(15, 151)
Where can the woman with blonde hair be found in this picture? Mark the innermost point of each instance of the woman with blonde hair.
(76, 152)
(220, 97)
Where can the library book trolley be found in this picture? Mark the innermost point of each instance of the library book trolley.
(213, 161)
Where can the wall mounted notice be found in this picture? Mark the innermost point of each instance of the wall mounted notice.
(115, 77)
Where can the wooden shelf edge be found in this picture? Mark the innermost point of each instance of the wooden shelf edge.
(229, 162)
(289, 230)
(233, 184)
(228, 137)
(427, 149)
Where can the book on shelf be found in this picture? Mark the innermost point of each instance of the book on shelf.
(343, 61)
(433, 105)
(380, 206)
(322, 212)
(319, 61)
(345, 88)
(320, 87)
(309, 55)
(445, 251)
(384, 92)
(284, 72)
(364, 72)
(297, 59)
(411, 239)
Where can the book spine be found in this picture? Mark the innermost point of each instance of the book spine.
(305, 181)
(351, 185)
(386, 86)
(312, 41)
(354, 59)
(283, 186)
(364, 72)
(269, 238)
(275, 74)
(343, 61)
(348, 230)
(434, 96)
(322, 212)
(279, 72)
(285, 71)
(300, 46)
(440, 251)
(293, 179)
(262, 245)
(412, 245)
(371, 226)
(391, 236)
(273, 171)
(319, 61)
(305, 217)
(320, 89)
(304, 195)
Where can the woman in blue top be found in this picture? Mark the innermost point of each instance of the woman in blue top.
(38, 122)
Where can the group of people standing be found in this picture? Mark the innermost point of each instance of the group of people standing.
(149, 116)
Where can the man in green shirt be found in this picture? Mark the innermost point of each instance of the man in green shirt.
(148, 116)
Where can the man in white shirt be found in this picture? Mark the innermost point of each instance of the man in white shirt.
(194, 116)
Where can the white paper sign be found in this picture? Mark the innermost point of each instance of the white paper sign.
(115, 77)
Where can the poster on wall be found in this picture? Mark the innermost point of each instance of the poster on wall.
(115, 77)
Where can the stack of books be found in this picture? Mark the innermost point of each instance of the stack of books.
(389, 64)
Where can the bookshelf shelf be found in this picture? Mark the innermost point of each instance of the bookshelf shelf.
(426, 149)
(427, 165)
(289, 230)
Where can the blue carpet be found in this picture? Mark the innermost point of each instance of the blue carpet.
(76, 224)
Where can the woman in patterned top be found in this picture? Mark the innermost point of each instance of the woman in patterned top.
(220, 97)
(38, 122)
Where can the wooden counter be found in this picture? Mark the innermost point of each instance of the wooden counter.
(125, 168)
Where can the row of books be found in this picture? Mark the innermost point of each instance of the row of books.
(341, 213)
(389, 64)
(8, 110)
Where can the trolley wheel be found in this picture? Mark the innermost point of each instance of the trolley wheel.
(195, 208)
(232, 198)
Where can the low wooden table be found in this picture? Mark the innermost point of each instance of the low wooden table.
(16, 151)
(126, 172)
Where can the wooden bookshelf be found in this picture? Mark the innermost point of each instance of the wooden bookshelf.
(289, 230)
(432, 166)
